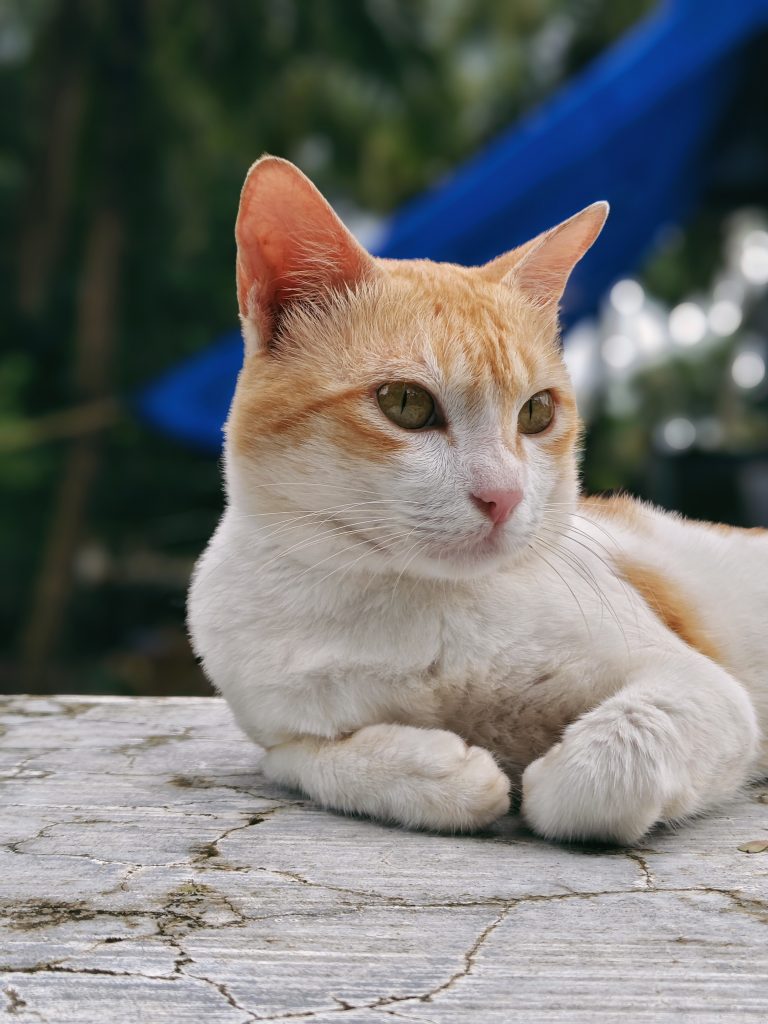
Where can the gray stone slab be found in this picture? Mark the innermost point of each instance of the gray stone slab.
(148, 872)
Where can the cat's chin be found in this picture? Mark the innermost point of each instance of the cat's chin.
(467, 559)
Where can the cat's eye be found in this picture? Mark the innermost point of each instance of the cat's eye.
(537, 413)
(407, 405)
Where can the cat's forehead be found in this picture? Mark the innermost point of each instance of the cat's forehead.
(470, 332)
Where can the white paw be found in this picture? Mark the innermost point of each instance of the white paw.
(607, 780)
(437, 781)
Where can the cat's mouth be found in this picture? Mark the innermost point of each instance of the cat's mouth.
(466, 553)
(475, 548)
(478, 545)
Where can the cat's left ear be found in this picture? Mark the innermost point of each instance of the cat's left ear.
(541, 267)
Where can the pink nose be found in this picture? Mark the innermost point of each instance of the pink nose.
(497, 505)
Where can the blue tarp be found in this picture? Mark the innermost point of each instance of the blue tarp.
(635, 128)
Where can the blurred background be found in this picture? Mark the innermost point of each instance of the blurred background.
(447, 128)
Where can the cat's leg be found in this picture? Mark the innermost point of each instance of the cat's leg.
(680, 736)
(426, 778)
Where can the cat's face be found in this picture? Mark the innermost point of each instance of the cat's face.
(401, 416)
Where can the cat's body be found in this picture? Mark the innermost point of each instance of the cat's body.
(366, 627)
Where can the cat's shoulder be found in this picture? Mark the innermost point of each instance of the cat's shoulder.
(637, 516)
(624, 510)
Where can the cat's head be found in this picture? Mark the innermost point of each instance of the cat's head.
(397, 415)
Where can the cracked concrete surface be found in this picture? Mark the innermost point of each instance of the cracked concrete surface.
(148, 872)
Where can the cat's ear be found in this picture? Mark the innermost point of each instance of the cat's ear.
(291, 247)
(541, 267)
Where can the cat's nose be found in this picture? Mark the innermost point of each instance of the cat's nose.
(498, 505)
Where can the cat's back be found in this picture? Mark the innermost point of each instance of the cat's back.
(707, 581)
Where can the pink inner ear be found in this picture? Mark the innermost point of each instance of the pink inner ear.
(548, 260)
(290, 244)
(499, 267)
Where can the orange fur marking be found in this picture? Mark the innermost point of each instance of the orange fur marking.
(485, 334)
(728, 530)
(272, 410)
(670, 604)
(562, 445)
(627, 510)
(407, 315)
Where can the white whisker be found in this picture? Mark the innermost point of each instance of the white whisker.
(565, 582)
(323, 523)
(346, 567)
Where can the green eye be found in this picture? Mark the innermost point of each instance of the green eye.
(407, 405)
(537, 413)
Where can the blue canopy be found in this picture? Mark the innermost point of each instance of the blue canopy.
(635, 128)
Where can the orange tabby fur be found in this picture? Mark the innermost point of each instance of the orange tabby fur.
(338, 358)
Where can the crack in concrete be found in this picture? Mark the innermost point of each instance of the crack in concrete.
(172, 921)
(17, 1004)
(40, 834)
(132, 750)
(753, 907)
(157, 739)
(179, 915)
(58, 968)
(73, 708)
(203, 852)
(223, 991)
(639, 859)
(406, 1016)
(294, 876)
(192, 891)
(401, 901)
(207, 851)
(205, 782)
(383, 1002)
(192, 900)
(133, 869)
(470, 957)
(179, 902)
(742, 904)
(179, 908)
(23, 707)
(27, 775)
(18, 770)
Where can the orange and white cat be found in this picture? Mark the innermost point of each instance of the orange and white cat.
(407, 602)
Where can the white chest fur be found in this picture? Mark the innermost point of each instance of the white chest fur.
(506, 661)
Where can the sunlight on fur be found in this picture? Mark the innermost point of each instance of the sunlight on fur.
(409, 605)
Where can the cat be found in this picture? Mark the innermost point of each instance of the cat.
(408, 603)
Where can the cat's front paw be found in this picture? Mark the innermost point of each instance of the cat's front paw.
(440, 782)
(607, 780)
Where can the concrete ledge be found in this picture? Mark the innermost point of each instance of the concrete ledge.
(148, 873)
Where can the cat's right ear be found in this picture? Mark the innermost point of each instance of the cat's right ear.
(291, 247)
